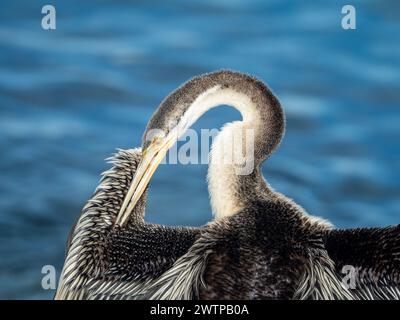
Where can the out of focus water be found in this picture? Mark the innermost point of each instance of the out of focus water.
(70, 97)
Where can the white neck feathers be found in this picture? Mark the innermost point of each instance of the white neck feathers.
(223, 172)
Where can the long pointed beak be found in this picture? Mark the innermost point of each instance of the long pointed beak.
(151, 158)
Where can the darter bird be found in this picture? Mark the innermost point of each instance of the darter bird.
(260, 244)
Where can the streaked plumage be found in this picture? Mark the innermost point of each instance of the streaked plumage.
(261, 244)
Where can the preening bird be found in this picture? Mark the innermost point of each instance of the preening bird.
(260, 244)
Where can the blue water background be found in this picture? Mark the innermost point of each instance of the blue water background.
(70, 97)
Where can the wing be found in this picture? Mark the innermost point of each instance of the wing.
(368, 260)
(107, 261)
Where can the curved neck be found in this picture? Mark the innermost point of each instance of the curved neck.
(237, 151)
(241, 147)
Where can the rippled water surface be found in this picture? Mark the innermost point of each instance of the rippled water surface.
(70, 97)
